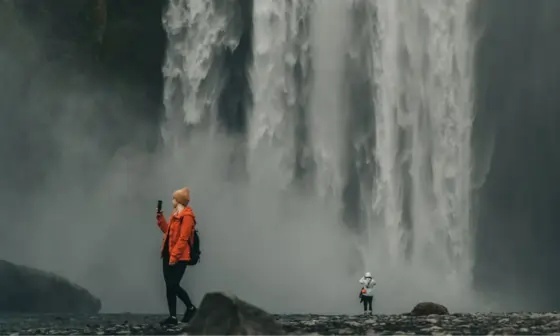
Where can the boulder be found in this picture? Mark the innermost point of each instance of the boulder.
(429, 308)
(28, 290)
(224, 314)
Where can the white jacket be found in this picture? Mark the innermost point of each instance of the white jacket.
(368, 284)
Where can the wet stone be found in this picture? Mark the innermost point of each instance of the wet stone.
(454, 324)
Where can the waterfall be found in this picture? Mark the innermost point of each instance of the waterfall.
(424, 117)
(198, 31)
(370, 98)
(279, 51)
(328, 109)
(271, 132)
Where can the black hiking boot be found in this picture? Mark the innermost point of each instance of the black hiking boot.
(189, 314)
(171, 320)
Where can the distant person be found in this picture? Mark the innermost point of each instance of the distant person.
(366, 294)
(176, 253)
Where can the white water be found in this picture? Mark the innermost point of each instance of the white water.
(423, 114)
(430, 100)
(271, 130)
(264, 243)
(328, 109)
(196, 30)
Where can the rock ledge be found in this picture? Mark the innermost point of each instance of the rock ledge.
(28, 290)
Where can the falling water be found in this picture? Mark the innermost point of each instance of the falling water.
(271, 137)
(278, 50)
(424, 116)
(198, 31)
(328, 110)
(377, 92)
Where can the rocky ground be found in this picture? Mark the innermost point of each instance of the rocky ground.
(455, 324)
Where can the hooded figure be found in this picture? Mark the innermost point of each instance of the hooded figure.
(175, 252)
(366, 294)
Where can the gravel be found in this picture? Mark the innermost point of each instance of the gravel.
(454, 324)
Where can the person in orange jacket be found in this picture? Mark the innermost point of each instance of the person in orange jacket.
(175, 252)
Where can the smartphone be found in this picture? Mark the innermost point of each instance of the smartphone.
(159, 205)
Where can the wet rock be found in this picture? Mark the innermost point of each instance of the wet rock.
(28, 290)
(429, 308)
(223, 314)
(301, 324)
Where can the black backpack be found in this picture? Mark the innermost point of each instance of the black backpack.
(195, 249)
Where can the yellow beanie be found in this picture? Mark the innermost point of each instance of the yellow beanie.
(182, 196)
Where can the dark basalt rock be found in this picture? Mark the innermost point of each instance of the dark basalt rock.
(302, 324)
(223, 314)
(429, 308)
(28, 290)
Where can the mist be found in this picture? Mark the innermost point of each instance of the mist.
(82, 203)
(73, 161)
(515, 140)
(84, 162)
(81, 180)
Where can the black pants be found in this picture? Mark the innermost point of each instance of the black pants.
(172, 276)
(367, 301)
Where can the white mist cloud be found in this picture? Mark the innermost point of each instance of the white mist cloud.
(90, 217)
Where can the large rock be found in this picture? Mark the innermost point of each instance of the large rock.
(28, 290)
(223, 314)
(429, 308)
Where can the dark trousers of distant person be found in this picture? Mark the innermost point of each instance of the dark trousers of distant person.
(172, 274)
(367, 301)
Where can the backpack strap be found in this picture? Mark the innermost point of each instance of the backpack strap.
(191, 236)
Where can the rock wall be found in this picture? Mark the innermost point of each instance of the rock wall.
(116, 41)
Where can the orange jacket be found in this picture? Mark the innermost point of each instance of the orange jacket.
(180, 229)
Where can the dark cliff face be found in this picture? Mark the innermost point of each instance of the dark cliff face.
(122, 39)
(90, 67)
(516, 126)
